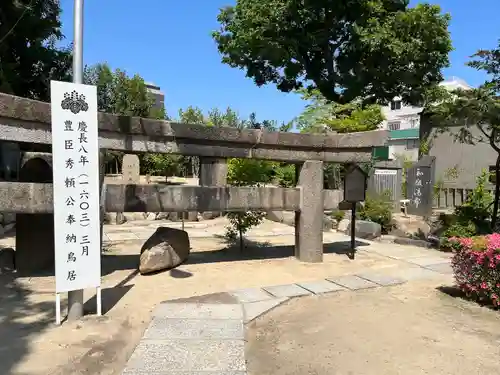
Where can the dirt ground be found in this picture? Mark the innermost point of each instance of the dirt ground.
(402, 330)
(32, 345)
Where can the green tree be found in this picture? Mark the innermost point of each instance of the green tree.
(322, 115)
(371, 49)
(121, 94)
(29, 58)
(246, 172)
(476, 113)
(191, 115)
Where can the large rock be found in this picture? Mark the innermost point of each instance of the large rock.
(365, 229)
(165, 249)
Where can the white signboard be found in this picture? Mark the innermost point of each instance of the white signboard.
(75, 159)
(392, 172)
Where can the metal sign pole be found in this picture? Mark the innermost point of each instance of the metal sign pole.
(75, 297)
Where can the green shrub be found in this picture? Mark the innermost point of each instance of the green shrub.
(246, 172)
(338, 215)
(477, 207)
(379, 210)
(476, 266)
(473, 217)
(460, 230)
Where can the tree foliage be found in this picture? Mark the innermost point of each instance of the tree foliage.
(322, 115)
(476, 113)
(29, 58)
(121, 94)
(346, 49)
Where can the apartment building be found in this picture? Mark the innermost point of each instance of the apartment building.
(158, 95)
(403, 121)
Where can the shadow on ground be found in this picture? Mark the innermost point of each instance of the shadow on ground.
(20, 321)
(455, 292)
(253, 250)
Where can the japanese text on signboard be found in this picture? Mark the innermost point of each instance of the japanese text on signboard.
(76, 190)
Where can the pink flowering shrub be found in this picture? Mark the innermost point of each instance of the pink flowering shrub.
(476, 265)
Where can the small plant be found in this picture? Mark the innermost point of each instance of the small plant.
(472, 218)
(338, 216)
(379, 210)
(246, 172)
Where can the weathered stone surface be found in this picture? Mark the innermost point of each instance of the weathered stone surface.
(352, 282)
(131, 169)
(7, 260)
(365, 229)
(428, 260)
(309, 220)
(162, 136)
(321, 286)
(183, 329)
(344, 225)
(288, 290)
(155, 356)
(165, 249)
(34, 232)
(251, 295)
(253, 310)
(174, 310)
(380, 278)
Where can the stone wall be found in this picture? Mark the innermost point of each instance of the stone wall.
(7, 223)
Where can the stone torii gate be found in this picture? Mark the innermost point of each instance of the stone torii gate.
(28, 122)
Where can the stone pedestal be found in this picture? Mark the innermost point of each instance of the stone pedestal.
(309, 220)
(35, 232)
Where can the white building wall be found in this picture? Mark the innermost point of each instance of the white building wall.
(407, 148)
(409, 116)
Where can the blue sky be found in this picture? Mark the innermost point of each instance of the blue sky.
(168, 42)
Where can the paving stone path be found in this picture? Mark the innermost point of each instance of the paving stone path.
(204, 335)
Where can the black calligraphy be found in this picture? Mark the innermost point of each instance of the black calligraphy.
(71, 275)
(68, 126)
(78, 200)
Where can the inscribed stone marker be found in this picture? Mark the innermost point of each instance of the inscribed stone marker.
(419, 186)
(131, 169)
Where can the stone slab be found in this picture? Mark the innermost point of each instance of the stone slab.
(352, 282)
(153, 356)
(251, 295)
(321, 286)
(220, 329)
(444, 268)
(253, 310)
(381, 279)
(427, 260)
(212, 298)
(416, 273)
(198, 311)
(288, 290)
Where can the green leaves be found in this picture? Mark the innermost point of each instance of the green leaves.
(29, 58)
(321, 115)
(345, 49)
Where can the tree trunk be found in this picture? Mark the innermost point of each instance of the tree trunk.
(494, 214)
(240, 230)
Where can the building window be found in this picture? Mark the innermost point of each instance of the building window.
(414, 123)
(394, 125)
(395, 105)
(411, 144)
